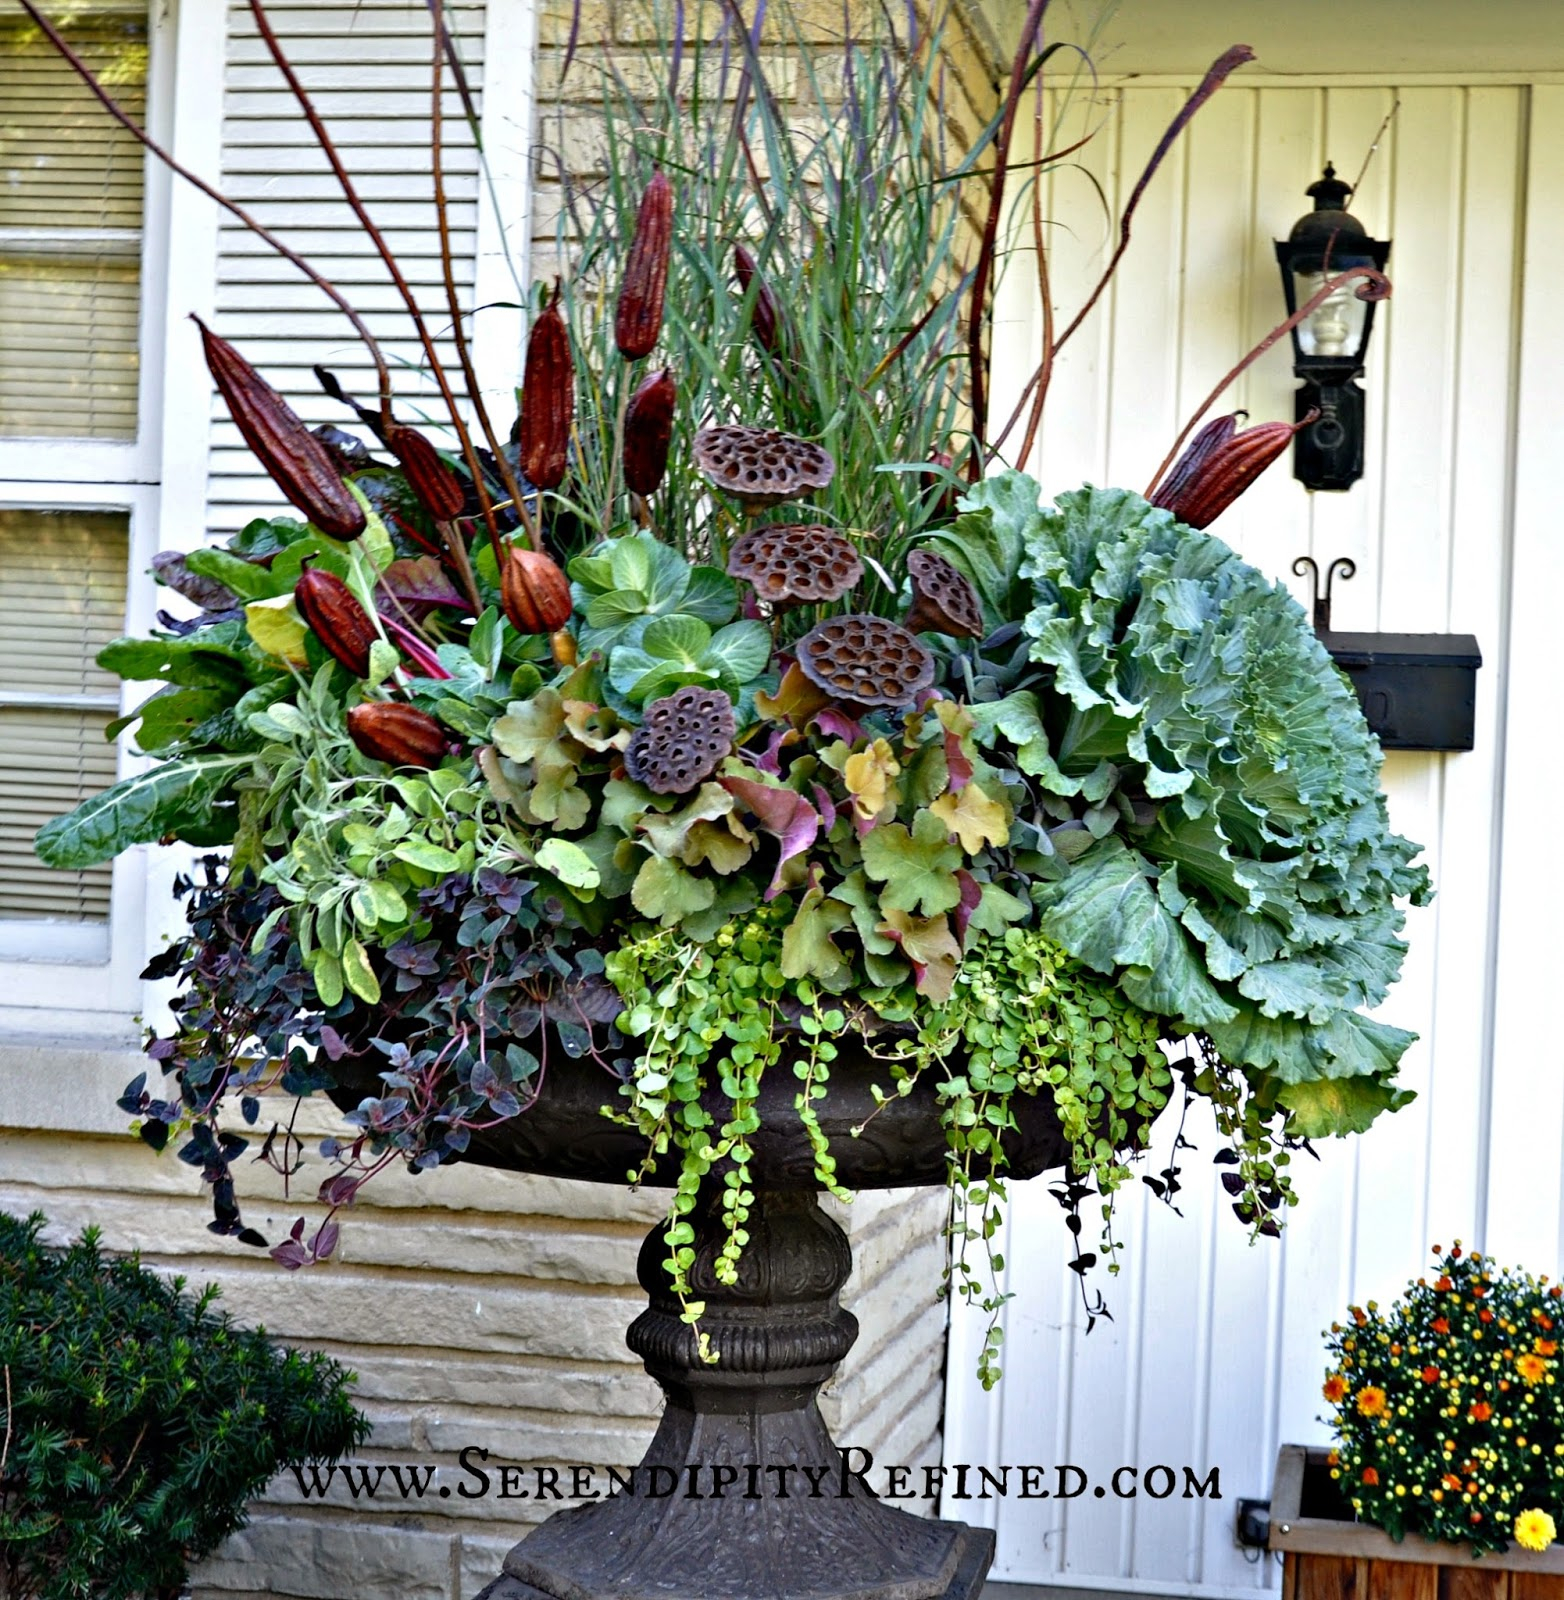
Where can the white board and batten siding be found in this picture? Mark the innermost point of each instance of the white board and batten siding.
(367, 65)
(1214, 1354)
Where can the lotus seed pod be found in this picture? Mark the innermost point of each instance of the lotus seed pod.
(760, 467)
(790, 564)
(866, 661)
(681, 740)
(943, 601)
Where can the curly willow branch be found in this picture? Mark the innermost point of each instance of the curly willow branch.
(444, 47)
(984, 267)
(1217, 74)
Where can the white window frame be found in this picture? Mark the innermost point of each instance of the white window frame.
(41, 947)
(85, 983)
(161, 477)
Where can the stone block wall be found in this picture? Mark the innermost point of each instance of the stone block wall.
(479, 1309)
(593, 34)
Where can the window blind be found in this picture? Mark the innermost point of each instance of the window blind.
(70, 225)
(62, 598)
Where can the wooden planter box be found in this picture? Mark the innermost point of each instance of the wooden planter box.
(1330, 1556)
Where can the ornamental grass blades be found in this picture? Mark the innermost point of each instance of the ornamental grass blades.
(695, 715)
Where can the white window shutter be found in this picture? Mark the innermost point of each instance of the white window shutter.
(367, 65)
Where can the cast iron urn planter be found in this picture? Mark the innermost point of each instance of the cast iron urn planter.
(778, 1334)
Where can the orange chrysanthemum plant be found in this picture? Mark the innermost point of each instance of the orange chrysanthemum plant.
(1447, 1409)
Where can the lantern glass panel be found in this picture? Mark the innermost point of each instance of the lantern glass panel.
(1335, 327)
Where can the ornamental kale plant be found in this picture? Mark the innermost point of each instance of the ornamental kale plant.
(1447, 1412)
(138, 1422)
(1238, 873)
(634, 747)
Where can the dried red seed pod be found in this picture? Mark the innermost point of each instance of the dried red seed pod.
(336, 618)
(681, 740)
(534, 592)
(638, 318)
(400, 735)
(548, 401)
(295, 460)
(943, 601)
(793, 564)
(1228, 470)
(761, 467)
(649, 432)
(766, 319)
(1196, 453)
(866, 661)
(440, 491)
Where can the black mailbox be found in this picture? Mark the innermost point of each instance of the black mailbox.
(1418, 690)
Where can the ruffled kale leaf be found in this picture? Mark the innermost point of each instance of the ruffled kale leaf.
(1243, 879)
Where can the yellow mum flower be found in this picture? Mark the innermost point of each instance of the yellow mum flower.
(1535, 1530)
(1532, 1368)
(1371, 1402)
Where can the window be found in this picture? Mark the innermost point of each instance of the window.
(70, 227)
(111, 446)
(62, 598)
(71, 210)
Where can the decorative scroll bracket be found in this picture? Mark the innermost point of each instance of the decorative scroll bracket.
(1418, 691)
(1343, 565)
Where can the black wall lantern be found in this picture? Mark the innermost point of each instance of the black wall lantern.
(1329, 345)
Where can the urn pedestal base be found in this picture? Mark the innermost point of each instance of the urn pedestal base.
(742, 1494)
